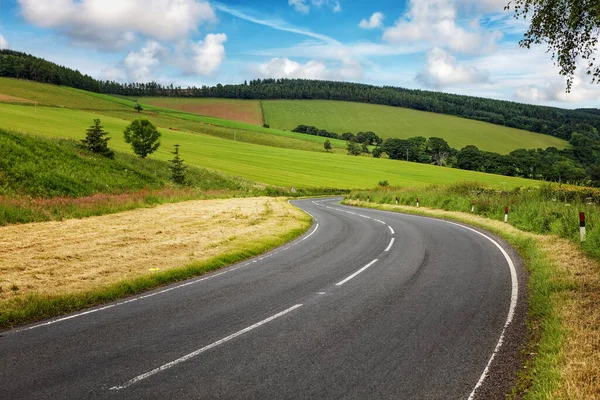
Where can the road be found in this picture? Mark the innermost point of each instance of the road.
(367, 305)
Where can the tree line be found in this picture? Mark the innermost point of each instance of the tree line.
(561, 123)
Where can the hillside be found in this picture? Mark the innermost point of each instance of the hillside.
(270, 165)
(403, 123)
(552, 121)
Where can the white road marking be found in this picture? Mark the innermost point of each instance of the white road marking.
(380, 221)
(392, 230)
(95, 310)
(511, 311)
(357, 272)
(390, 245)
(202, 350)
(364, 216)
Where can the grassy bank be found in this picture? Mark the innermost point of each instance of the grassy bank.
(92, 261)
(561, 358)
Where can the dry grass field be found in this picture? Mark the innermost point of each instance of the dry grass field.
(80, 255)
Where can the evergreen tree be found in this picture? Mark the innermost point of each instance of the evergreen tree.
(177, 168)
(138, 108)
(95, 140)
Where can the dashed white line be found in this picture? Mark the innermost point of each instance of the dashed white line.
(202, 350)
(357, 272)
(390, 245)
(380, 221)
(392, 230)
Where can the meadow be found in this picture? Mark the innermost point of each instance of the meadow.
(270, 165)
(402, 123)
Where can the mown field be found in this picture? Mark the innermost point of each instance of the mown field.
(122, 108)
(386, 121)
(271, 165)
(247, 111)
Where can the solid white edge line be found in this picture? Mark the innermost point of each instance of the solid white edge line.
(202, 350)
(81, 314)
(390, 245)
(511, 311)
(356, 273)
(392, 230)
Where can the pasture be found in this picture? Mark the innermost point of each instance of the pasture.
(402, 123)
(270, 165)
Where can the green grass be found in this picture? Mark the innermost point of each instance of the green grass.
(36, 307)
(270, 165)
(386, 121)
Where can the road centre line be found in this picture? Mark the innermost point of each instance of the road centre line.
(390, 245)
(357, 272)
(380, 221)
(392, 230)
(202, 350)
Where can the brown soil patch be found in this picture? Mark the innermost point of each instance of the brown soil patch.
(4, 98)
(83, 254)
(242, 111)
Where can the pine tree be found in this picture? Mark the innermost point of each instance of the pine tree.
(95, 140)
(177, 168)
(138, 108)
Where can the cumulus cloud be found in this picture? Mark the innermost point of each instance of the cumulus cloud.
(553, 90)
(114, 23)
(141, 65)
(442, 69)
(303, 6)
(313, 69)
(376, 21)
(435, 21)
(207, 54)
(3, 43)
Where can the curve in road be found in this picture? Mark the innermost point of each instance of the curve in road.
(368, 304)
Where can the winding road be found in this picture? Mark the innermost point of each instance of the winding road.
(367, 305)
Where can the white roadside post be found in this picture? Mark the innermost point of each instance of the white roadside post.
(505, 215)
(473, 206)
(582, 226)
(417, 202)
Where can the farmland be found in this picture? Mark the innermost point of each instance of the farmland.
(270, 165)
(247, 111)
(403, 123)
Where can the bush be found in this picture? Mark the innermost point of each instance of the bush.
(143, 136)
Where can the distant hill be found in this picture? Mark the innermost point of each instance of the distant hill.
(552, 121)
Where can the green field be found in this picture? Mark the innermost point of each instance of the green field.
(122, 108)
(271, 165)
(403, 123)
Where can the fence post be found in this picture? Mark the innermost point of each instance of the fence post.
(582, 226)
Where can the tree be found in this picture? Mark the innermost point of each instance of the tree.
(143, 137)
(138, 108)
(327, 145)
(95, 140)
(354, 149)
(377, 151)
(438, 149)
(177, 168)
(570, 28)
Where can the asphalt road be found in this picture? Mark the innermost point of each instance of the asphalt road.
(318, 318)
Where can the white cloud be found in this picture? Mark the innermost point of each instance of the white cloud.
(208, 54)
(313, 69)
(303, 6)
(435, 21)
(376, 21)
(117, 74)
(141, 66)
(554, 90)
(114, 23)
(442, 69)
(3, 43)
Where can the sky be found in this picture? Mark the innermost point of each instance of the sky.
(457, 46)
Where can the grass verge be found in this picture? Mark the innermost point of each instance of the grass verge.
(561, 357)
(34, 307)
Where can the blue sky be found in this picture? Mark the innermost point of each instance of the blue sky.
(458, 46)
